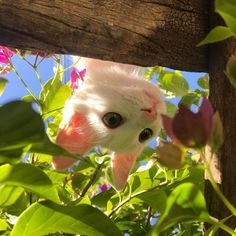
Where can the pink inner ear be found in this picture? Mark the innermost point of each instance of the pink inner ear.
(74, 137)
(122, 165)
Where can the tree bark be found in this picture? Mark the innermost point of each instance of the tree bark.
(142, 32)
(223, 98)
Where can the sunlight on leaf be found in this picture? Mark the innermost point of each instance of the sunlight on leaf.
(203, 81)
(227, 9)
(3, 83)
(9, 194)
(173, 82)
(30, 178)
(185, 203)
(217, 34)
(47, 217)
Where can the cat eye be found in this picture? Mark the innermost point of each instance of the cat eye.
(112, 120)
(145, 135)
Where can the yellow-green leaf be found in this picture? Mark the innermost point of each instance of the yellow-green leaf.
(217, 34)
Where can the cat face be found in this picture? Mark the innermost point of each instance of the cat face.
(122, 109)
(115, 108)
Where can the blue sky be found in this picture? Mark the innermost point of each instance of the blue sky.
(15, 89)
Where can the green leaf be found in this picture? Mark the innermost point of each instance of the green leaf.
(217, 34)
(155, 198)
(19, 125)
(22, 129)
(227, 9)
(103, 197)
(19, 206)
(171, 109)
(142, 180)
(54, 94)
(4, 225)
(185, 203)
(231, 70)
(46, 217)
(146, 154)
(30, 178)
(9, 195)
(151, 71)
(27, 98)
(203, 82)
(3, 83)
(190, 99)
(132, 227)
(174, 83)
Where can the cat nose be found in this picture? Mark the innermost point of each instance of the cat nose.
(150, 112)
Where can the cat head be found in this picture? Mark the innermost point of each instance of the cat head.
(114, 108)
(122, 109)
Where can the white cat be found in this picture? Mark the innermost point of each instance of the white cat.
(115, 108)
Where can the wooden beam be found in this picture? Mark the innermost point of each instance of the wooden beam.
(142, 32)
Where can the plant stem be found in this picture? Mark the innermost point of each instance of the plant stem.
(23, 82)
(48, 112)
(89, 184)
(35, 61)
(135, 195)
(35, 69)
(222, 226)
(148, 217)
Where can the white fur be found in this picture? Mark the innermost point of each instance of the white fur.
(114, 87)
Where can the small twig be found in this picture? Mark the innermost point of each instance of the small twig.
(48, 112)
(149, 215)
(23, 82)
(94, 176)
(35, 61)
(135, 195)
(222, 226)
(40, 62)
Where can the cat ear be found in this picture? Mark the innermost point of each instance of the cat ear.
(74, 136)
(122, 165)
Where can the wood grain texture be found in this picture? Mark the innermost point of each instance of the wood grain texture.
(223, 98)
(142, 32)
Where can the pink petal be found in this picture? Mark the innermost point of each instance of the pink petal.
(74, 75)
(188, 128)
(3, 59)
(74, 85)
(103, 187)
(5, 54)
(206, 112)
(82, 73)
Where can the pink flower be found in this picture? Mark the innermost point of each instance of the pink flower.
(75, 76)
(190, 129)
(103, 187)
(5, 54)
